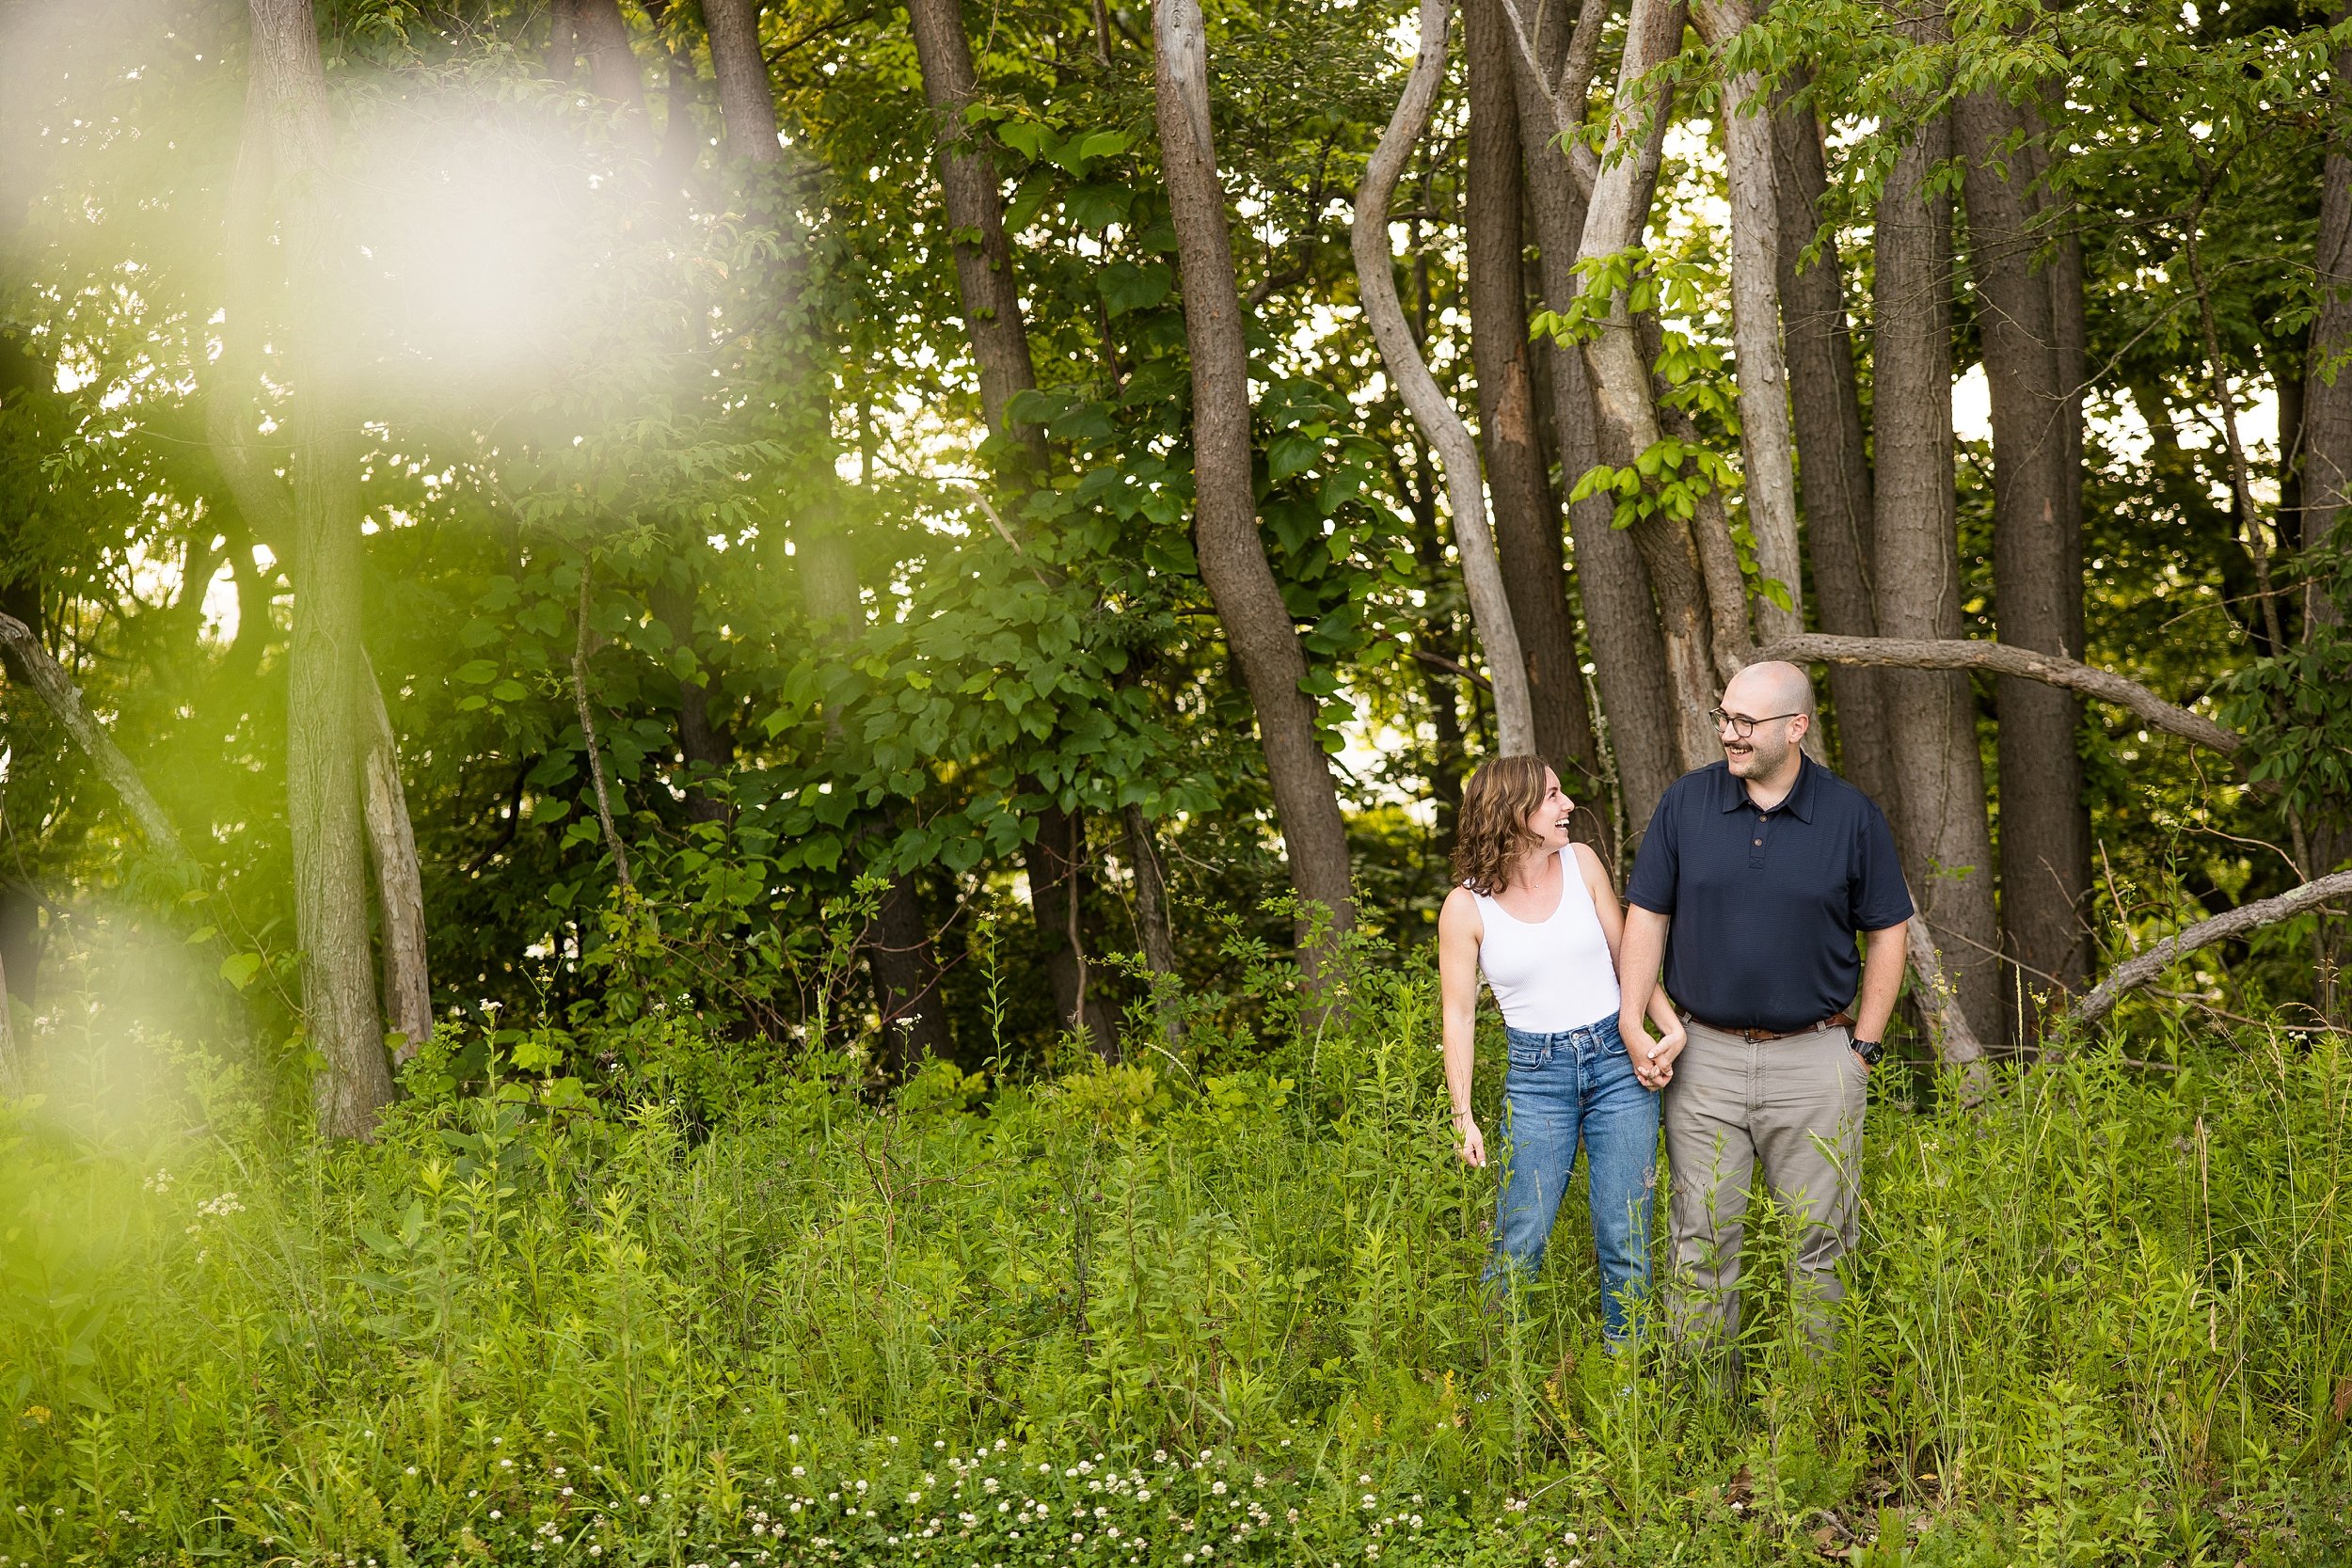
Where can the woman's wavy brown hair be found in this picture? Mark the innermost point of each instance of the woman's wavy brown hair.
(1491, 833)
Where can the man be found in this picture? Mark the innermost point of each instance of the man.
(1755, 877)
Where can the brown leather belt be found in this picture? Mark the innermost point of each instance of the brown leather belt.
(1840, 1020)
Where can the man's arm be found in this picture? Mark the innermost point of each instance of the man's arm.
(1643, 949)
(1881, 979)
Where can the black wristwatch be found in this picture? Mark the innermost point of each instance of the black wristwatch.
(1870, 1050)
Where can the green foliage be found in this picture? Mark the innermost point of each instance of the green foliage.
(2099, 1313)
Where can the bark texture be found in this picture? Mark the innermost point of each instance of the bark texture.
(1833, 482)
(1620, 617)
(747, 105)
(1614, 219)
(998, 332)
(1763, 374)
(1526, 520)
(325, 729)
(968, 185)
(2013, 663)
(2037, 559)
(1941, 823)
(1441, 426)
(2326, 486)
(399, 884)
(2102, 998)
(1233, 564)
(57, 691)
(1154, 930)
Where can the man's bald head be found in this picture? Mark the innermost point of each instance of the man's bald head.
(1773, 703)
(1773, 686)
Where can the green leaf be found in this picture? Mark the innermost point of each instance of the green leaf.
(479, 671)
(239, 969)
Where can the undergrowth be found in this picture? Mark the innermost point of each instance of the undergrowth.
(1208, 1306)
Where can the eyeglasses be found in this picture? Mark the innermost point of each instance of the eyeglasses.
(1743, 728)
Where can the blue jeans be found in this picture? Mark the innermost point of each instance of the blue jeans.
(1576, 1085)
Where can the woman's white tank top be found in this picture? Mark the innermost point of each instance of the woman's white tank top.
(1554, 975)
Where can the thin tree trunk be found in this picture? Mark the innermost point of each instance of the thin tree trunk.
(1614, 219)
(582, 646)
(1833, 463)
(2327, 471)
(1620, 616)
(1526, 520)
(1763, 375)
(324, 735)
(993, 317)
(1060, 881)
(702, 745)
(998, 331)
(1376, 286)
(399, 884)
(2037, 560)
(2325, 479)
(907, 993)
(1232, 557)
(1941, 824)
(1153, 927)
(57, 691)
(12, 1073)
(900, 955)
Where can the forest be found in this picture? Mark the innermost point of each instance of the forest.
(730, 732)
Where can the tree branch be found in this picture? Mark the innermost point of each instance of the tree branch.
(2101, 998)
(51, 683)
(2002, 658)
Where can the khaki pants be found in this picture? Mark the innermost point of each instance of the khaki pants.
(1797, 1105)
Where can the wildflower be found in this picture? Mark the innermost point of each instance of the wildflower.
(1217, 1490)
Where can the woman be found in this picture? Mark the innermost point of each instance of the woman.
(1537, 914)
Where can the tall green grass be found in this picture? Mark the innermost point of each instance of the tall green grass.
(2105, 1316)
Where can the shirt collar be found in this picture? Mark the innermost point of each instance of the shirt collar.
(1731, 793)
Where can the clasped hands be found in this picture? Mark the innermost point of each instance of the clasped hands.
(1653, 1062)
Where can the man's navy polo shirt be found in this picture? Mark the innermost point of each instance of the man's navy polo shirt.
(1765, 905)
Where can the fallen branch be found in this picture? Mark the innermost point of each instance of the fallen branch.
(2102, 998)
(50, 682)
(2003, 659)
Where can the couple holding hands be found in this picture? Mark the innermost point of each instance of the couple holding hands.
(1753, 884)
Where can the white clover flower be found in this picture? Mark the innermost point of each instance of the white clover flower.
(1217, 1489)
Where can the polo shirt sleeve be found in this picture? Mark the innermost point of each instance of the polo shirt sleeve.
(1881, 899)
(1657, 865)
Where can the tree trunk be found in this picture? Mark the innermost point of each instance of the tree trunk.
(1060, 881)
(747, 105)
(1526, 520)
(1832, 465)
(324, 733)
(2037, 562)
(702, 745)
(2327, 472)
(597, 29)
(1763, 375)
(1614, 219)
(399, 883)
(1153, 929)
(1232, 557)
(993, 317)
(2326, 476)
(1376, 286)
(1941, 822)
(998, 332)
(907, 994)
(1620, 616)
